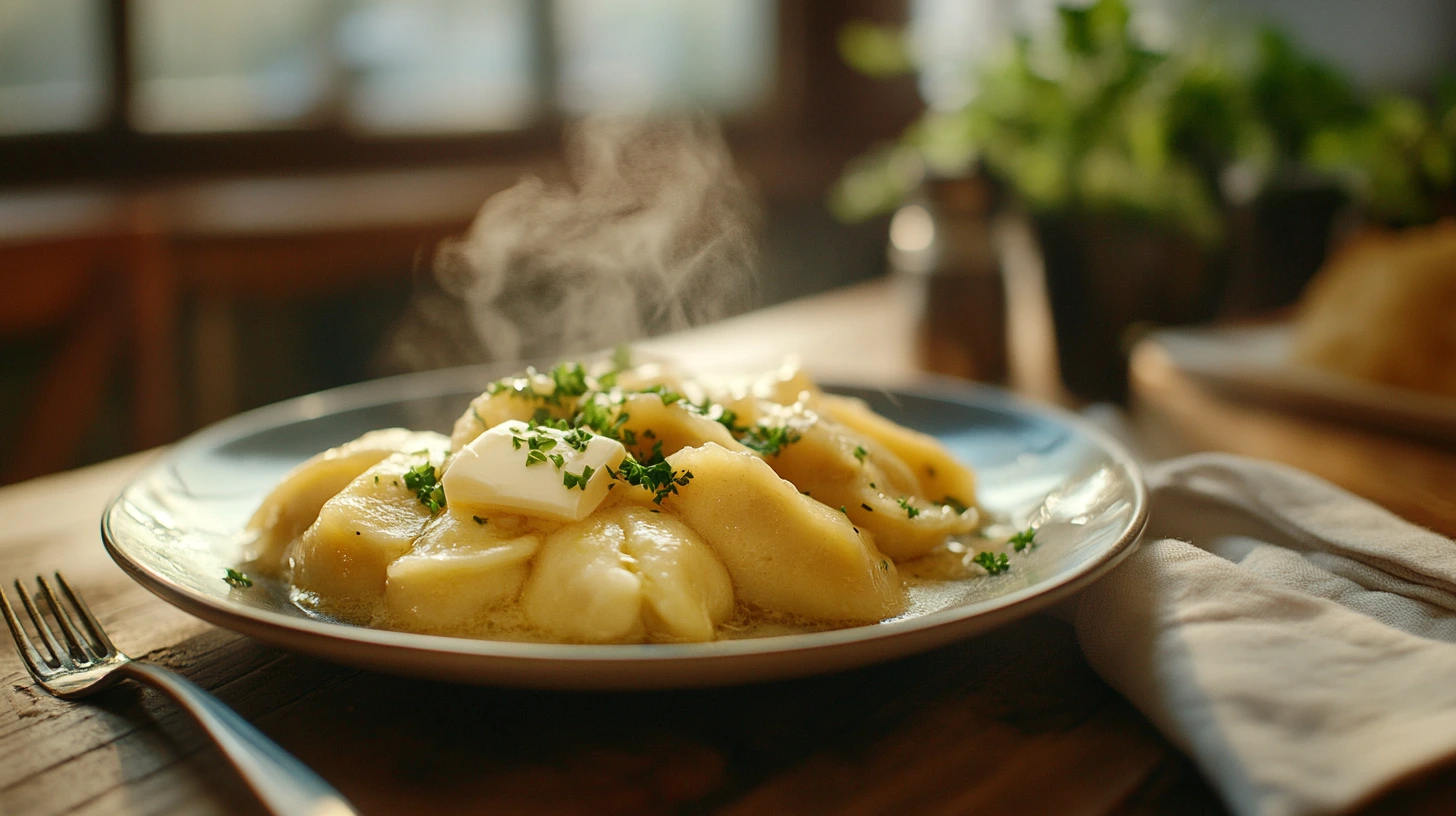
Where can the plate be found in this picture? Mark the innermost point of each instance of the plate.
(1254, 362)
(177, 527)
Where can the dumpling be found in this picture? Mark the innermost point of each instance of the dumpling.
(878, 491)
(651, 420)
(785, 552)
(295, 502)
(460, 566)
(518, 401)
(627, 574)
(939, 475)
(344, 554)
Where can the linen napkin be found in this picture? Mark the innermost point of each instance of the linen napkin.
(1297, 641)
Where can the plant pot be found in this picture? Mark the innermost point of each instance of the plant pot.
(1276, 244)
(1110, 278)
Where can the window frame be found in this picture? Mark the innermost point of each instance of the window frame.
(114, 150)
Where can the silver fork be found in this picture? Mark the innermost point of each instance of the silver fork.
(84, 661)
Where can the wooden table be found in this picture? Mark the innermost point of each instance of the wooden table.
(1010, 722)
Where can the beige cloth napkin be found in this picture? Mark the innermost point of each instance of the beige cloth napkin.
(1297, 641)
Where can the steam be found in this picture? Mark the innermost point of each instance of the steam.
(654, 232)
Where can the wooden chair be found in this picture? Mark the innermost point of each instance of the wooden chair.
(88, 269)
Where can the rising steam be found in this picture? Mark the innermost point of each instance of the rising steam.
(653, 233)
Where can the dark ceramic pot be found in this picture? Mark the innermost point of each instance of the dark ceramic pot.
(1276, 244)
(1109, 278)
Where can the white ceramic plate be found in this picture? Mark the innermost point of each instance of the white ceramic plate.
(176, 528)
(1254, 362)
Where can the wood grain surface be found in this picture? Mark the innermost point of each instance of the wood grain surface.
(971, 728)
(1010, 722)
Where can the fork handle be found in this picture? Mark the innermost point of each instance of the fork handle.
(286, 786)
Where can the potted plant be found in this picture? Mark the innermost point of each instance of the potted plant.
(1121, 154)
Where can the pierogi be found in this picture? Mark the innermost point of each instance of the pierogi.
(602, 504)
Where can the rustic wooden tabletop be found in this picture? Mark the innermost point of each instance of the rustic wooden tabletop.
(1010, 722)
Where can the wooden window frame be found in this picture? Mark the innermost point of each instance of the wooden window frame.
(798, 112)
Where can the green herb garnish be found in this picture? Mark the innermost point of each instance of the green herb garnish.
(1022, 540)
(993, 563)
(769, 441)
(909, 509)
(954, 504)
(658, 477)
(860, 452)
(577, 480)
(478, 520)
(236, 579)
(667, 395)
(569, 379)
(425, 482)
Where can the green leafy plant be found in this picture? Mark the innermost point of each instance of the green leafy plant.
(1398, 159)
(1085, 117)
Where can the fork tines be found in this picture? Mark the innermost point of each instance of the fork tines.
(84, 644)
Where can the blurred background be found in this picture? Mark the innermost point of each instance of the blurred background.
(209, 205)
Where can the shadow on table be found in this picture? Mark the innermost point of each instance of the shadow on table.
(1013, 721)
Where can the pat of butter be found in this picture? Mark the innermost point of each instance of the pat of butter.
(491, 473)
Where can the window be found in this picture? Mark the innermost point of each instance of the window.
(379, 67)
(216, 65)
(440, 65)
(52, 65)
(632, 55)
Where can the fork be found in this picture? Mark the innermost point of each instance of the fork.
(87, 662)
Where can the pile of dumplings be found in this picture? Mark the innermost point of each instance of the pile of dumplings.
(784, 503)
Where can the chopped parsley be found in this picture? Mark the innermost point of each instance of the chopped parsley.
(1022, 540)
(658, 477)
(720, 414)
(910, 510)
(993, 563)
(860, 452)
(593, 415)
(667, 395)
(769, 441)
(537, 444)
(236, 579)
(577, 480)
(425, 482)
(569, 379)
(577, 439)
